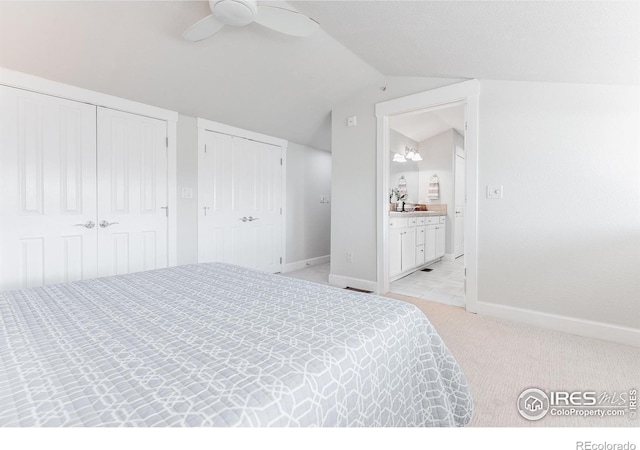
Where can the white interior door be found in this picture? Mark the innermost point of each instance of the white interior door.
(458, 232)
(240, 202)
(132, 193)
(47, 189)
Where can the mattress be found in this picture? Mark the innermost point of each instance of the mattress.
(220, 345)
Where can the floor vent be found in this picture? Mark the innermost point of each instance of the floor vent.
(359, 290)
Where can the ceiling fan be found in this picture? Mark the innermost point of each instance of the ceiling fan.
(239, 13)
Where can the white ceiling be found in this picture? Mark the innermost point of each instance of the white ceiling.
(423, 125)
(283, 86)
(556, 41)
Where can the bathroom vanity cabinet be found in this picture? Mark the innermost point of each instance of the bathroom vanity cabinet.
(414, 242)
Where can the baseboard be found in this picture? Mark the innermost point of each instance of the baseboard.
(587, 328)
(299, 265)
(343, 282)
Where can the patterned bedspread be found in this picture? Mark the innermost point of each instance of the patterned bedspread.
(219, 345)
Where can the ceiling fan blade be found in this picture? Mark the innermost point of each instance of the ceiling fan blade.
(202, 29)
(286, 21)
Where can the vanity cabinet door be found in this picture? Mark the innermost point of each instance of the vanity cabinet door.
(440, 240)
(395, 250)
(430, 243)
(420, 255)
(421, 233)
(408, 248)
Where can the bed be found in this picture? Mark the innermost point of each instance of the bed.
(220, 345)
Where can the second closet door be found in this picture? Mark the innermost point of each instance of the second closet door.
(132, 193)
(240, 199)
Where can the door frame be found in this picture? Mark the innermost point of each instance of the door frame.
(458, 153)
(466, 92)
(205, 125)
(39, 85)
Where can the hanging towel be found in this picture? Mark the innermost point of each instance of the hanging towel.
(433, 192)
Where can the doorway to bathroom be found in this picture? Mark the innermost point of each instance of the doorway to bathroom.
(437, 129)
(427, 170)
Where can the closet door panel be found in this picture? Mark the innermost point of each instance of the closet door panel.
(47, 189)
(132, 193)
(218, 224)
(239, 199)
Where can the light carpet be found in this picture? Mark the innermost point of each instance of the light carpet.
(501, 359)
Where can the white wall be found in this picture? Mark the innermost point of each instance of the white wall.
(308, 220)
(566, 237)
(353, 183)
(437, 159)
(565, 240)
(187, 175)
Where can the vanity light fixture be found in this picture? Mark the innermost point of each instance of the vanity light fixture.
(410, 154)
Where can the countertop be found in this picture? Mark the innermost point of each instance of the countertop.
(416, 214)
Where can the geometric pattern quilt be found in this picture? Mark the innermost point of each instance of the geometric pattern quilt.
(220, 345)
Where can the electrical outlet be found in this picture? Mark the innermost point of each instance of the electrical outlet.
(324, 199)
(494, 191)
(349, 257)
(187, 192)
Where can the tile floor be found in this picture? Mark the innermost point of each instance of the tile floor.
(444, 284)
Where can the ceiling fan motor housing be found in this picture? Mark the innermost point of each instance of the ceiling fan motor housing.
(234, 12)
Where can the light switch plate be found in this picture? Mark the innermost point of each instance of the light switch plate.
(494, 191)
(352, 121)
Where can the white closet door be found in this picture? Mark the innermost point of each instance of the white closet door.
(240, 201)
(47, 189)
(132, 193)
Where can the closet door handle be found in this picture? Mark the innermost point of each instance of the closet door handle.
(105, 223)
(88, 224)
(244, 219)
(251, 219)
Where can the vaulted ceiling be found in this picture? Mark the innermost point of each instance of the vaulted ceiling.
(423, 125)
(258, 79)
(556, 41)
